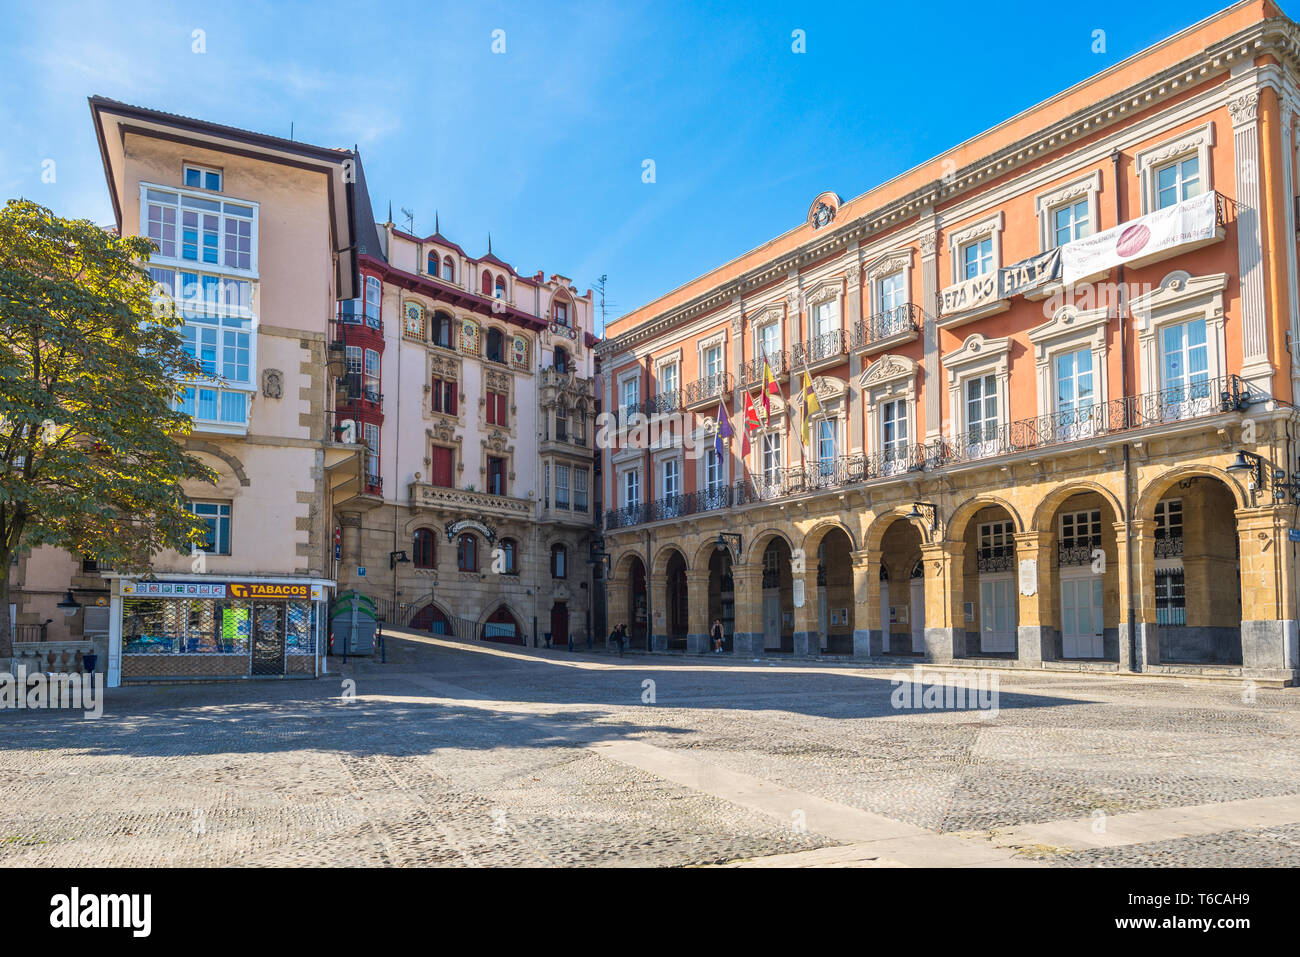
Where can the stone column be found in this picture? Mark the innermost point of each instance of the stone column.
(1124, 651)
(697, 614)
(1146, 644)
(748, 581)
(807, 633)
(866, 578)
(350, 522)
(1036, 638)
(945, 626)
(617, 611)
(1268, 626)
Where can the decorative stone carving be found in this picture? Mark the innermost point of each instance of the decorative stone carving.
(1244, 108)
(272, 383)
(886, 369)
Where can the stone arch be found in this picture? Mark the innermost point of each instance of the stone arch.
(217, 452)
(759, 542)
(819, 531)
(880, 524)
(1156, 488)
(664, 556)
(954, 530)
(622, 566)
(493, 606)
(1046, 509)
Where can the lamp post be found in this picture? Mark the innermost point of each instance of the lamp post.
(1272, 478)
(916, 514)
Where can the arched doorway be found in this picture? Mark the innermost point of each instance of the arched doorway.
(430, 618)
(675, 601)
(835, 592)
(902, 590)
(778, 598)
(501, 626)
(638, 632)
(722, 595)
(1197, 574)
(988, 584)
(560, 623)
(1084, 617)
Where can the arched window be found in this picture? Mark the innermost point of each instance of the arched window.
(561, 313)
(440, 330)
(487, 283)
(433, 264)
(508, 557)
(423, 549)
(559, 561)
(467, 553)
(561, 360)
(501, 287)
(496, 350)
(448, 269)
(561, 422)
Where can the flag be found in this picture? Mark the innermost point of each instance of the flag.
(810, 405)
(769, 388)
(752, 424)
(724, 429)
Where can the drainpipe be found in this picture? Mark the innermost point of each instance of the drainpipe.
(1133, 663)
(649, 475)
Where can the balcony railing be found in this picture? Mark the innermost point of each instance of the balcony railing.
(664, 402)
(819, 348)
(1001, 558)
(883, 325)
(352, 317)
(709, 387)
(751, 373)
(1169, 546)
(1132, 413)
(1077, 551)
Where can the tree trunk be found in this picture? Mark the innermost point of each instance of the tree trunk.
(6, 633)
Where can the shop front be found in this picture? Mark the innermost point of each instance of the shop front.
(202, 628)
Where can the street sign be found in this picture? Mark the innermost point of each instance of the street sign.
(1293, 535)
(338, 552)
(361, 571)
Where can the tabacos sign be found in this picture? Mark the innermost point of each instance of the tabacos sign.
(267, 590)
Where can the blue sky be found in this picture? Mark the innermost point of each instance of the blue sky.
(543, 145)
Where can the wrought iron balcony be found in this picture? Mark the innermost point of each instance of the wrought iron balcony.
(999, 559)
(884, 325)
(664, 402)
(1169, 546)
(819, 348)
(714, 386)
(1077, 551)
(751, 373)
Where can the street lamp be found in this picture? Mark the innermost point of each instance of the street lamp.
(1274, 478)
(69, 604)
(916, 514)
(397, 558)
(728, 540)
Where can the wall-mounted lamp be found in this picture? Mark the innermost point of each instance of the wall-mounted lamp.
(916, 514)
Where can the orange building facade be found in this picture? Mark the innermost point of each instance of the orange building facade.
(1054, 372)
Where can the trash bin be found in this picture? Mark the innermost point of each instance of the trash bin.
(352, 624)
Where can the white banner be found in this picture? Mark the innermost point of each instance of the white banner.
(1190, 221)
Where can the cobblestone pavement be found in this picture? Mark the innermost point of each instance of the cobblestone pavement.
(457, 754)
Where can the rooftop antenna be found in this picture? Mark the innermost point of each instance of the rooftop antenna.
(600, 286)
(410, 220)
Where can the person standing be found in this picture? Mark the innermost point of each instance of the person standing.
(716, 633)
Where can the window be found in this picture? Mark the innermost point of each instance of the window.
(448, 269)
(500, 287)
(496, 408)
(1169, 518)
(1183, 356)
(374, 296)
(771, 458)
(890, 294)
(977, 258)
(631, 390)
(668, 380)
(561, 423)
(467, 553)
(371, 434)
(1177, 181)
(424, 551)
(372, 375)
(1171, 597)
(487, 283)
(893, 423)
(579, 490)
(562, 314)
(982, 408)
(432, 263)
(1074, 392)
(496, 475)
(89, 566)
(823, 318)
(672, 478)
(631, 487)
(713, 360)
(1081, 528)
(559, 561)
(216, 515)
(561, 486)
(826, 445)
(443, 393)
(203, 222)
(509, 562)
(713, 477)
(202, 177)
(996, 538)
(496, 350)
(1070, 222)
(442, 466)
(768, 342)
(561, 360)
(440, 330)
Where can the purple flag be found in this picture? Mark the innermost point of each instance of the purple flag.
(724, 429)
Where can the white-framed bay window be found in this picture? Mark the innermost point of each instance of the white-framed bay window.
(189, 226)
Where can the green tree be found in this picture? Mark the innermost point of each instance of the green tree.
(89, 361)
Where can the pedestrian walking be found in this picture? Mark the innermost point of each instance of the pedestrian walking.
(716, 633)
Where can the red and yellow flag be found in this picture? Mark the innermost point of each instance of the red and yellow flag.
(769, 388)
(752, 424)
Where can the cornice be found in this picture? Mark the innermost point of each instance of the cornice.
(1278, 36)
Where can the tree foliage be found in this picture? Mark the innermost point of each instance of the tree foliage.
(89, 361)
